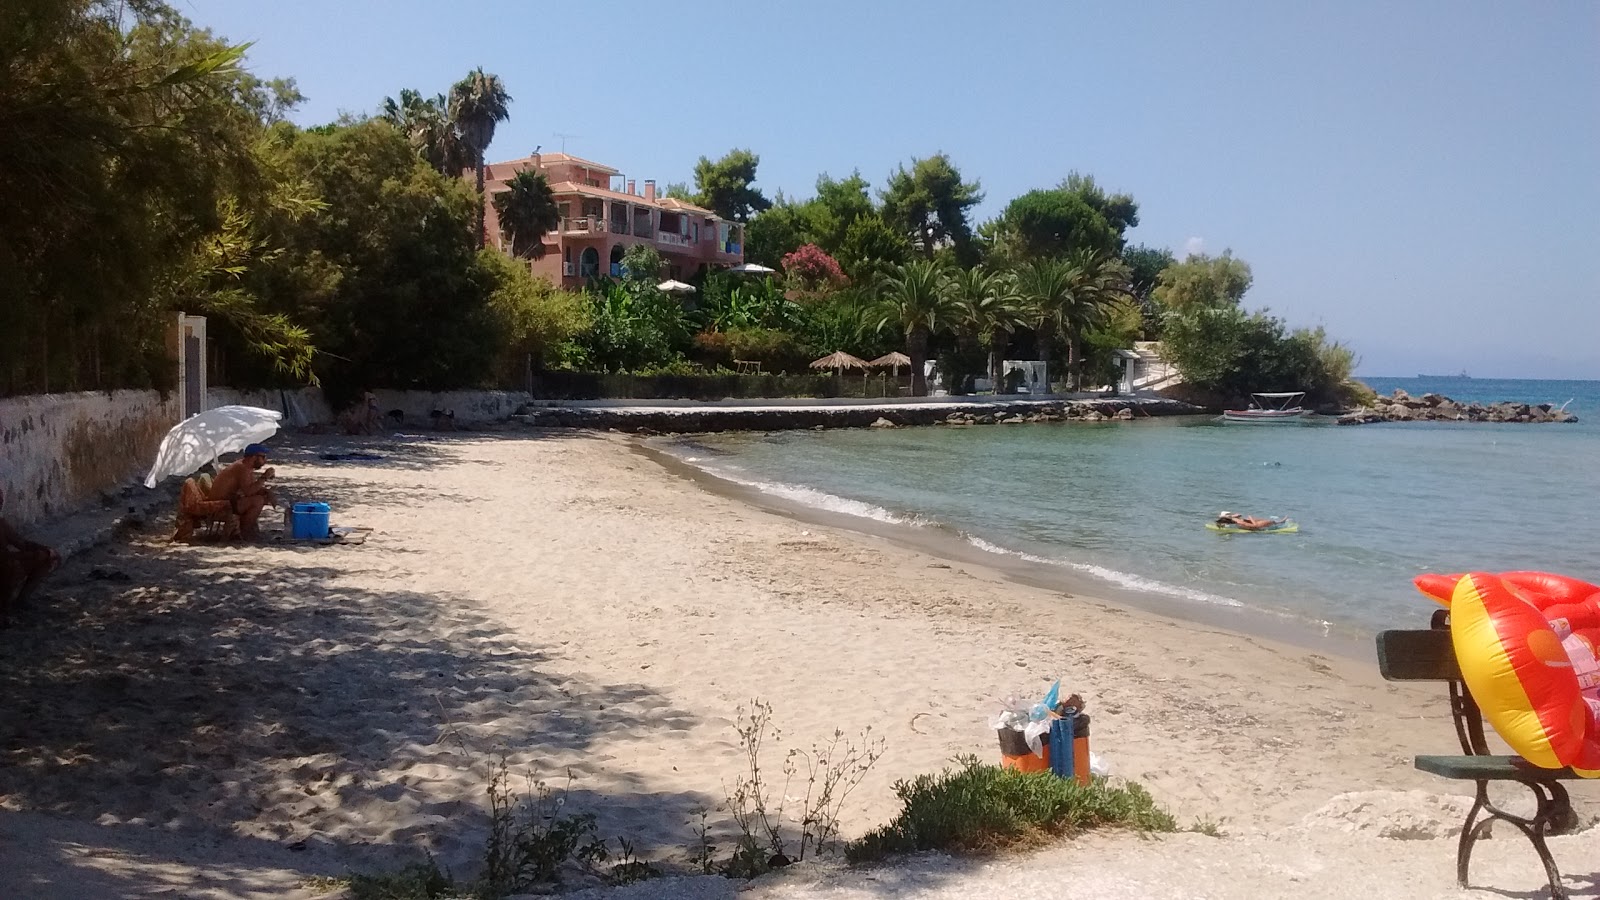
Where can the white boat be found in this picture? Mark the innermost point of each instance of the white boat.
(1270, 408)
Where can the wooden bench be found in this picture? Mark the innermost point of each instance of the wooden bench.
(1427, 655)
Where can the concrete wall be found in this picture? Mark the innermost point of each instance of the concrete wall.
(58, 452)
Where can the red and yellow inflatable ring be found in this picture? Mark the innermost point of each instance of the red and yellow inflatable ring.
(1526, 643)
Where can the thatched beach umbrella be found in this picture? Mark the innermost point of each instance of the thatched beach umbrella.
(893, 360)
(839, 361)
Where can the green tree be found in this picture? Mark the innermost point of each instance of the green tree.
(930, 204)
(642, 264)
(538, 321)
(871, 249)
(839, 203)
(123, 132)
(1202, 282)
(991, 308)
(1119, 210)
(478, 103)
(1235, 353)
(776, 233)
(527, 212)
(724, 186)
(1053, 223)
(394, 295)
(916, 300)
(1145, 265)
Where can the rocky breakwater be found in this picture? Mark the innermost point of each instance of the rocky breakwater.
(1402, 407)
(954, 412)
(1077, 411)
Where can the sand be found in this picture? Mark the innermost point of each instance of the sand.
(231, 720)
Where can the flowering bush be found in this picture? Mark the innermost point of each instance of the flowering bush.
(812, 272)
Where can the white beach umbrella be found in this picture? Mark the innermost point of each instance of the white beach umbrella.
(201, 438)
(672, 286)
(751, 269)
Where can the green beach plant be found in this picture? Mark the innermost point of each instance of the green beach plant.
(981, 808)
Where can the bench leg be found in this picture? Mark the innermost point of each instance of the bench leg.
(1552, 800)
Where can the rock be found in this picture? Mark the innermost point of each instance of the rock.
(1431, 399)
(1398, 413)
(1093, 415)
(1012, 419)
(1123, 414)
(883, 423)
(1393, 815)
(1399, 396)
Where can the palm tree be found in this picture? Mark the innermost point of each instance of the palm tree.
(916, 298)
(1045, 287)
(425, 122)
(527, 212)
(478, 103)
(990, 307)
(1097, 282)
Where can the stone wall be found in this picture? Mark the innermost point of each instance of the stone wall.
(307, 406)
(61, 452)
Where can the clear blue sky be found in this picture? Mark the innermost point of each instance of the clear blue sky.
(1422, 178)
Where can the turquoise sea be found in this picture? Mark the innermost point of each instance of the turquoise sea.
(1123, 504)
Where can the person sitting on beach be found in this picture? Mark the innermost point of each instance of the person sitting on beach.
(239, 484)
(362, 418)
(23, 564)
(1249, 523)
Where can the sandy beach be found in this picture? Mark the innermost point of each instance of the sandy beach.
(225, 721)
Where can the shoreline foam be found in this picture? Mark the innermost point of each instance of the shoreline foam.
(938, 538)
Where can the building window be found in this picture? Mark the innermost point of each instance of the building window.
(697, 232)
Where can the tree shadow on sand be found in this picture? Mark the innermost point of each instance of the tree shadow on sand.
(285, 706)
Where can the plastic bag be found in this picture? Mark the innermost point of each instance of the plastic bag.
(1098, 767)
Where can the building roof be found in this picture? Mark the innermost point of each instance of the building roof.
(546, 159)
(686, 206)
(668, 203)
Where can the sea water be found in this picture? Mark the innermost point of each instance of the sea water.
(1124, 504)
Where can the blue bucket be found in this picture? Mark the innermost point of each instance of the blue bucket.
(309, 521)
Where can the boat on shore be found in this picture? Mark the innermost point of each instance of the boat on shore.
(1270, 408)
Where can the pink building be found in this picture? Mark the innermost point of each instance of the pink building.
(602, 214)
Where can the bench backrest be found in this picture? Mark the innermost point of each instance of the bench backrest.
(1428, 655)
(1424, 655)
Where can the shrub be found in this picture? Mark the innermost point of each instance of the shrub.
(980, 808)
(812, 273)
(830, 772)
(1235, 353)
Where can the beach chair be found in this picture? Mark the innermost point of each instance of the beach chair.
(1427, 655)
(196, 514)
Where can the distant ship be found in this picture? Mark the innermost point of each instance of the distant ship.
(1461, 374)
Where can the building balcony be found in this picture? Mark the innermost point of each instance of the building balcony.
(673, 240)
(732, 248)
(582, 225)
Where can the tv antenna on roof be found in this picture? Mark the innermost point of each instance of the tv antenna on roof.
(563, 138)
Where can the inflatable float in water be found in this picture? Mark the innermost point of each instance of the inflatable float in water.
(1287, 526)
(1525, 642)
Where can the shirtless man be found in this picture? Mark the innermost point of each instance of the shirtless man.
(247, 491)
(23, 564)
